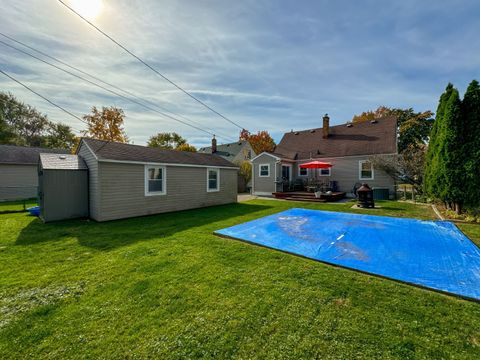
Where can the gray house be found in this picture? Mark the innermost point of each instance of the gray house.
(235, 152)
(348, 147)
(18, 171)
(129, 180)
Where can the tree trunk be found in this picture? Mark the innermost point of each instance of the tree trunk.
(458, 208)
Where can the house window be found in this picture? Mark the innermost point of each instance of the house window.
(249, 154)
(264, 170)
(155, 180)
(302, 171)
(365, 170)
(325, 172)
(213, 180)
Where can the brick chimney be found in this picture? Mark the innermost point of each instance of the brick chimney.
(326, 126)
(214, 145)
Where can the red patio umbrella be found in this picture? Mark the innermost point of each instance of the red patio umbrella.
(316, 165)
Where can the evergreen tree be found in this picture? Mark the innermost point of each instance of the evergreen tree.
(432, 178)
(451, 158)
(471, 115)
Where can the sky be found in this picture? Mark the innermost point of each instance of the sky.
(267, 65)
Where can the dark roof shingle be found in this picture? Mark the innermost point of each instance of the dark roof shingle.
(109, 150)
(364, 138)
(11, 154)
(227, 151)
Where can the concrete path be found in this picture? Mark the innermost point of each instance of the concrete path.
(245, 197)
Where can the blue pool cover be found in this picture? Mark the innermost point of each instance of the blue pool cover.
(431, 254)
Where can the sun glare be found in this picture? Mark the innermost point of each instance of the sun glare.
(89, 9)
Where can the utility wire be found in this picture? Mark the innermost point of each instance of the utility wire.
(150, 67)
(106, 89)
(43, 97)
(225, 137)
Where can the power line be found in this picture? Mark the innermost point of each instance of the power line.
(43, 97)
(104, 82)
(106, 89)
(151, 68)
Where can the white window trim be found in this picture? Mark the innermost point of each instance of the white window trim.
(260, 170)
(329, 172)
(360, 170)
(299, 169)
(218, 179)
(164, 180)
(266, 153)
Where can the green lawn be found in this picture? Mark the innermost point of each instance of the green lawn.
(16, 206)
(165, 287)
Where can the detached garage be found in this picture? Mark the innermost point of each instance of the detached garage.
(18, 171)
(62, 187)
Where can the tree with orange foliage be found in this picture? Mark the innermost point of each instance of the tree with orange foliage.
(106, 124)
(186, 147)
(369, 115)
(261, 141)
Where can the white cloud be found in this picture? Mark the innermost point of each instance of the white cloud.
(265, 65)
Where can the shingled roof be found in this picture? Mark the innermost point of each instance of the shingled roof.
(11, 154)
(227, 151)
(364, 138)
(109, 150)
(62, 162)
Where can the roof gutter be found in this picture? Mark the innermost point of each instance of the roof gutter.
(165, 164)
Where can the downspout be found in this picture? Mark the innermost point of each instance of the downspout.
(275, 177)
(253, 178)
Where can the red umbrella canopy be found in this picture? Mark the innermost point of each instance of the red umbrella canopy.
(316, 165)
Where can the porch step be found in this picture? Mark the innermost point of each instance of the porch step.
(305, 199)
(308, 196)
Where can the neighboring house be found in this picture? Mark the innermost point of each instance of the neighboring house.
(349, 147)
(127, 180)
(236, 153)
(18, 171)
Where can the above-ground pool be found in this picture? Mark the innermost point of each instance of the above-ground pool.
(431, 254)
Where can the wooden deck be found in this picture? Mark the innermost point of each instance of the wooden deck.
(308, 196)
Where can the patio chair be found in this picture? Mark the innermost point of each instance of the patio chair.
(333, 186)
(355, 188)
(298, 185)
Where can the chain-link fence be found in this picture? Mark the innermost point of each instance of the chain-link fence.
(17, 198)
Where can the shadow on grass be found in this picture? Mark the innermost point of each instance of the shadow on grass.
(117, 233)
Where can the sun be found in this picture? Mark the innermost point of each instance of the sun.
(89, 9)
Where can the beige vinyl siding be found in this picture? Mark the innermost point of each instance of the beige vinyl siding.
(93, 187)
(122, 190)
(18, 181)
(240, 157)
(264, 185)
(346, 172)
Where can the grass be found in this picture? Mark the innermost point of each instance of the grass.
(164, 287)
(16, 206)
